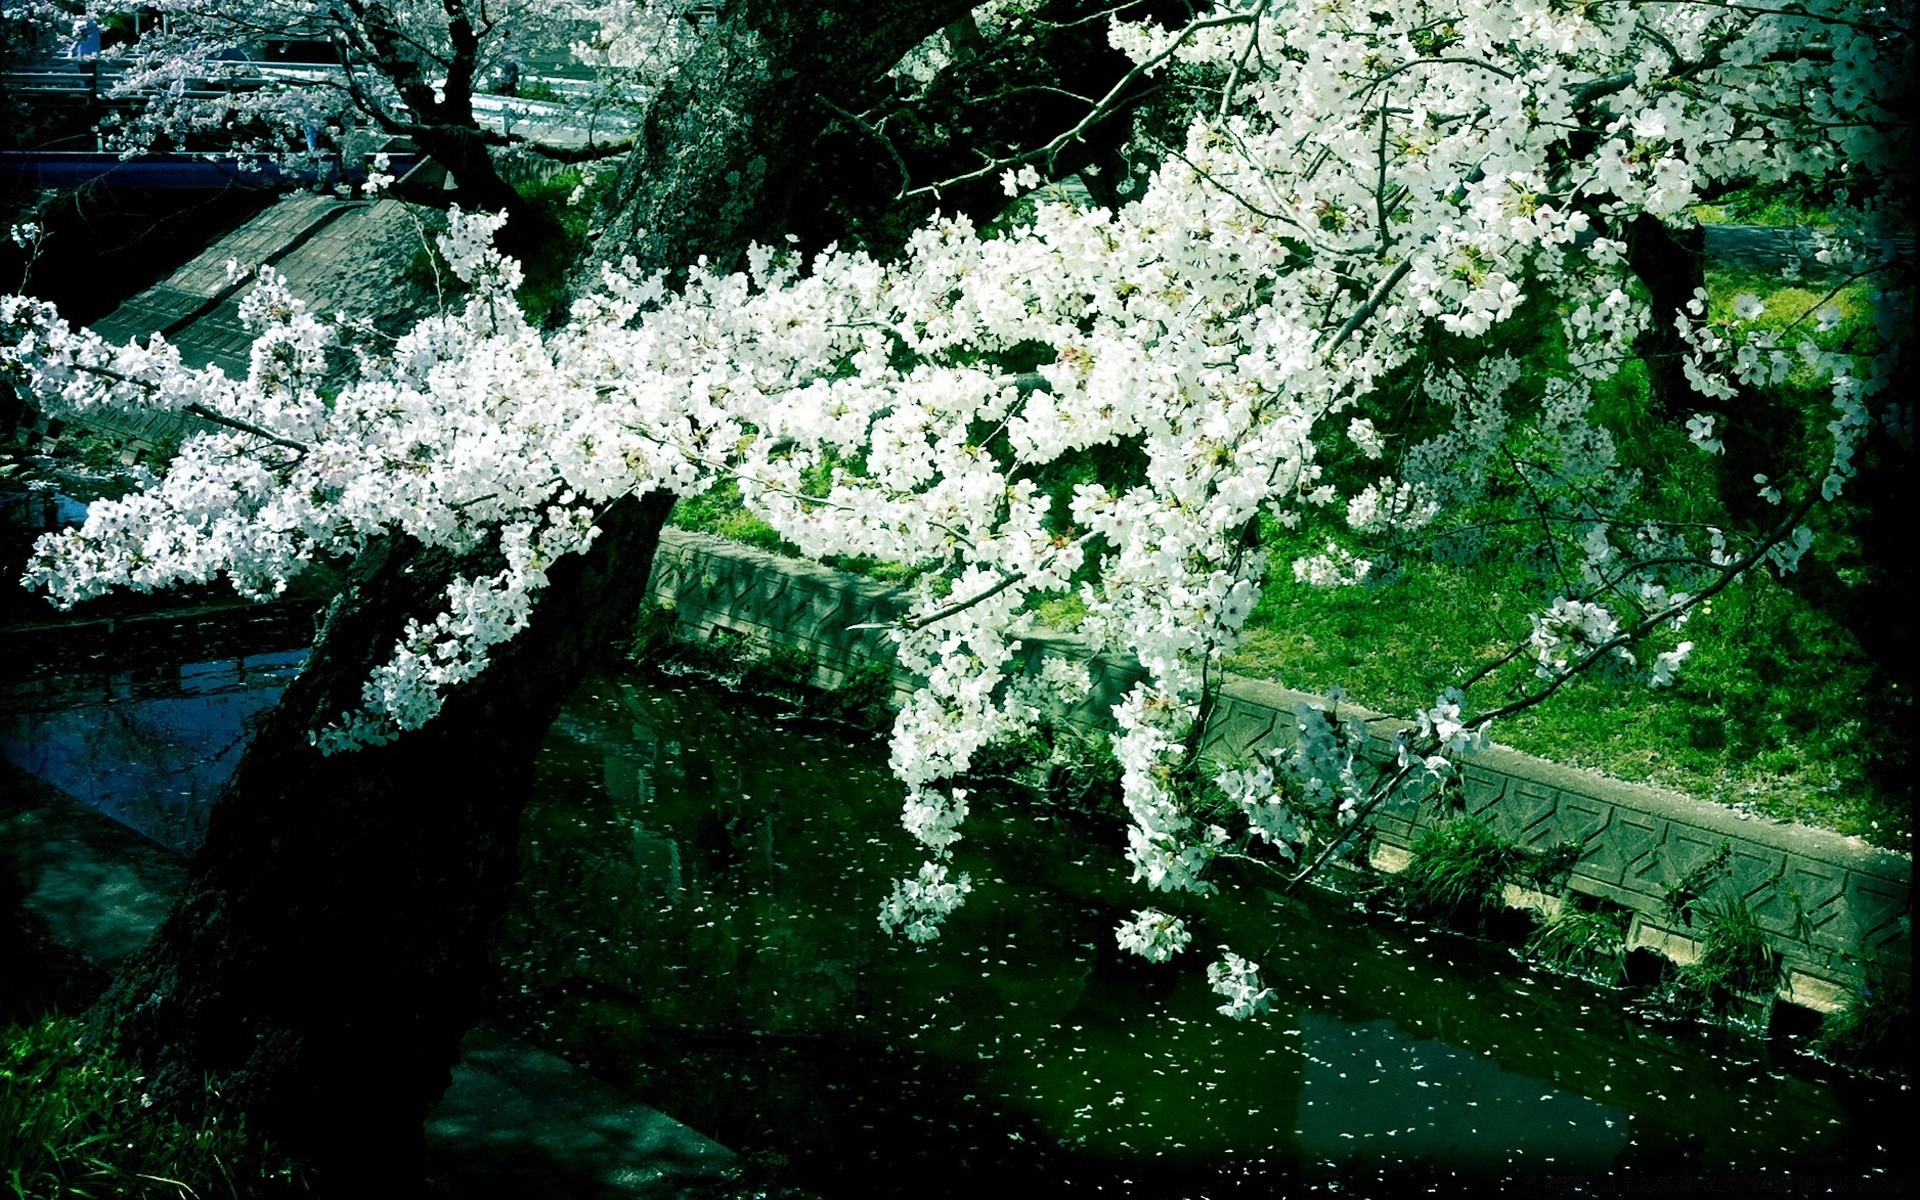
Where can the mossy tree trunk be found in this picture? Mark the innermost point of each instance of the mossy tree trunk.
(721, 157)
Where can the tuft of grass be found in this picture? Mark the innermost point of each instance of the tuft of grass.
(1016, 757)
(1737, 964)
(1685, 896)
(1586, 942)
(76, 1122)
(781, 671)
(1083, 775)
(1874, 1032)
(1459, 871)
(863, 700)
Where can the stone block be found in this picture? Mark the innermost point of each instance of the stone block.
(1483, 790)
(1753, 870)
(1533, 901)
(1644, 934)
(1809, 895)
(1684, 848)
(1582, 819)
(1241, 730)
(1627, 853)
(1878, 920)
(1399, 828)
(1526, 814)
(1384, 856)
(1815, 992)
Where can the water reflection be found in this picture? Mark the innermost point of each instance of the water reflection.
(36, 512)
(149, 747)
(1372, 1089)
(696, 923)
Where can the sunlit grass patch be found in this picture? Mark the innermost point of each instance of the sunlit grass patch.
(77, 1121)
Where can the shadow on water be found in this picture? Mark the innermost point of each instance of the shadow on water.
(696, 925)
(105, 245)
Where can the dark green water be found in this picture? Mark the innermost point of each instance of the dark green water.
(698, 923)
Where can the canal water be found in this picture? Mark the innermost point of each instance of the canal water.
(697, 924)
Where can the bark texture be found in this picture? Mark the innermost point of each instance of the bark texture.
(718, 163)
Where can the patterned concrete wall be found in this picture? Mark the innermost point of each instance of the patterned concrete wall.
(1831, 904)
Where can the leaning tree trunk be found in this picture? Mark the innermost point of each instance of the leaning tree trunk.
(326, 956)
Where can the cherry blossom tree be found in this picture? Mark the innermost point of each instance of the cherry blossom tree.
(1445, 205)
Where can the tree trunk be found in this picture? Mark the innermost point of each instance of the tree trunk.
(326, 957)
(479, 187)
(717, 162)
(1761, 434)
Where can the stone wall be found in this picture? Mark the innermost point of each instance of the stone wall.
(1832, 904)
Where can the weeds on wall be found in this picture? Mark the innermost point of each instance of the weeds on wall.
(783, 671)
(1082, 773)
(1736, 970)
(1874, 1032)
(1459, 872)
(1073, 770)
(76, 1122)
(1021, 759)
(863, 700)
(1588, 943)
(1685, 895)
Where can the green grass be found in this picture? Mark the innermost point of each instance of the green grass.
(76, 1122)
(546, 279)
(1779, 710)
(1459, 872)
(718, 511)
(1768, 713)
(1791, 204)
